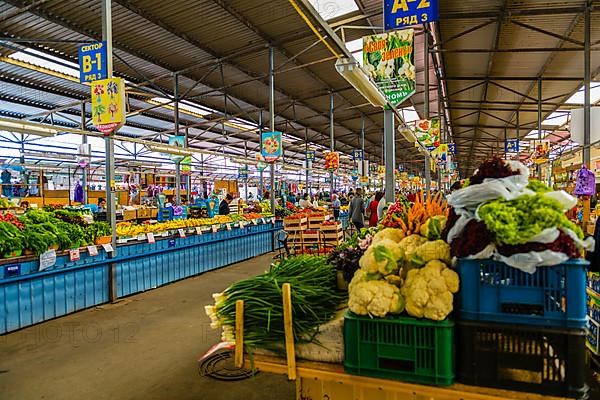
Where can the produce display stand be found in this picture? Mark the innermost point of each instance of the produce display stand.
(30, 296)
(316, 380)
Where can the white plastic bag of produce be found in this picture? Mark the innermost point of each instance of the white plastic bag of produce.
(528, 262)
(588, 244)
(546, 236)
(508, 188)
(565, 199)
(487, 252)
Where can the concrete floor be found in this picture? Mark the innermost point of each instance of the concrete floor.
(143, 347)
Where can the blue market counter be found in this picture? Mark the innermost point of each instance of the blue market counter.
(29, 296)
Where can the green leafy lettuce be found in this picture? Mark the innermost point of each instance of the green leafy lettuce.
(517, 221)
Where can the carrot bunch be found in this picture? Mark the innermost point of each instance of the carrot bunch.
(422, 209)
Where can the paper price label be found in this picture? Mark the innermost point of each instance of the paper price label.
(141, 237)
(92, 250)
(242, 225)
(165, 234)
(198, 230)
(47, 259)
(74, 255)
(181, 233)
(150, 237)
(254, 222)
(228, 227)
(214, 228)
(108, 248)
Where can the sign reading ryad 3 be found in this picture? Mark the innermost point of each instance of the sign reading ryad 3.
(403, 13)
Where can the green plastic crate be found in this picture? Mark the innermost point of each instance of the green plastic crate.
(400, 348)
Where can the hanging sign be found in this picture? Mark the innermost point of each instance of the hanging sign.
(108, 105)
(310, 155)
(92, 62)
(186, 165)
(428, 132)
(388, 58)
(176, 141)
(243, 172)
(440, 153)
(271, 146)
(260, 165)
(357, 154)
(511, 145)
(452, 148)
(403, 13)
(332, 160)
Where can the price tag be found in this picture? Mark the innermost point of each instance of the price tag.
(171, 242)
(254, 222)
(47, 259)
(92, 250)
(74, 255)
(141, 237)
(262, 221)
(242, 225)
(150, 237)
(215, 228)
(165, 234)
(228, 227)
(198, 230)
(108, 248)
(181, 233)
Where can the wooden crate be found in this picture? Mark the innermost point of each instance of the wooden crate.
(294, 225)
(331, 228)
(129, 215)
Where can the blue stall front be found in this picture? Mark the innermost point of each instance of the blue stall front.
(29, 296)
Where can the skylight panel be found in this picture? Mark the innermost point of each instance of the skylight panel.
(579, 97)
(328, 9)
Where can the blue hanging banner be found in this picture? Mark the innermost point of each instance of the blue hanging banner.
(357, 154)
(399, 14)
(310, 155)
(511, 146)
(92, 62)
(452, 148)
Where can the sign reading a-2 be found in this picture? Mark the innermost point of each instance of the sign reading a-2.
(92, 62)
(399, 14)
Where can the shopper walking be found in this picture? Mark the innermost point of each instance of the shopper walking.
(357, 210)
(335, 205)
(372, 209)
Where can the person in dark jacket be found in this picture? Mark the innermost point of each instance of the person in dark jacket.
(224, 206)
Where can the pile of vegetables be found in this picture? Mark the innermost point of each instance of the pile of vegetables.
(314, 302)
(11, 238)
(521, 222)
(411, 218)
(405, 273)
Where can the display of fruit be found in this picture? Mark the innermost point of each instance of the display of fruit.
(10, 218)
(5, 203)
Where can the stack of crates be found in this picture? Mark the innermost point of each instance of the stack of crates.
(593, 301)
(521, 331)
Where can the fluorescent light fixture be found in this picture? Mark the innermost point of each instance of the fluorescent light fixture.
(354, 74)
(407, 133)
(26, 127)
(48, 154)
(161, 148)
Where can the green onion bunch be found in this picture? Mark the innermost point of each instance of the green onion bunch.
(314, 302)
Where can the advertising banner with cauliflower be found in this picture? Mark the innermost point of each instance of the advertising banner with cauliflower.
(389, 61)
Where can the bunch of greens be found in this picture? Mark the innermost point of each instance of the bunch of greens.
(72, 217)
(96, 230)
(516, 221)
(74, 234)
(37, 217)
(538, 186)
(38, 238)
(359, 236)
(314, 302)
(11, 238)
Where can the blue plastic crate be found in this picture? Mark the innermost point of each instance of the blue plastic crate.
(552, 296)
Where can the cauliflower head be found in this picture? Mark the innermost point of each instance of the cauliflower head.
(428, 291)
(433, 227)
(376, 298)
(382, 258)
(429, 251)
(410, 243)
(396, 235)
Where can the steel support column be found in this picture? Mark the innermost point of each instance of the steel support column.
(272, 122)
(84, 141)
(389, 143)
(176, 127)
(306, 158)
(539, 124)
(331, 141)
(110, 153)
(260, 173)
(426, 101)
(586, 79)
(362, 144)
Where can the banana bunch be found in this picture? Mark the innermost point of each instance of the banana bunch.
(130, 230)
